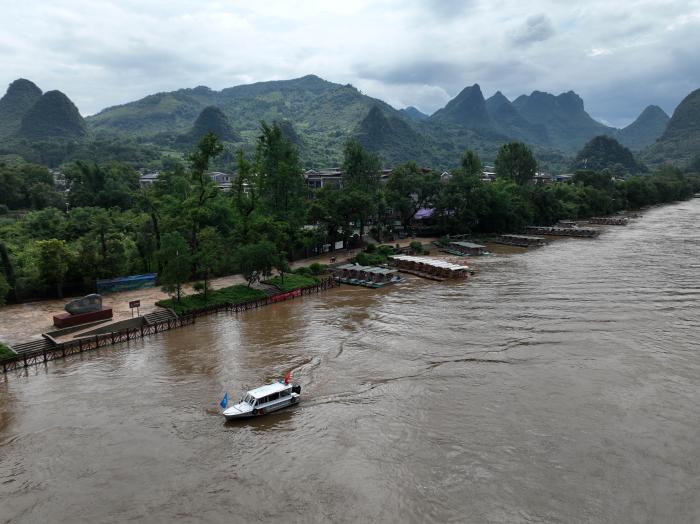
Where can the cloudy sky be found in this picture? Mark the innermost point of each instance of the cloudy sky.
(618, 55)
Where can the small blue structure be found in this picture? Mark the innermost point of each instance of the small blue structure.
(111, 285)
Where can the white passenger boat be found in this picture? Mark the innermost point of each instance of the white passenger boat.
(263, 400)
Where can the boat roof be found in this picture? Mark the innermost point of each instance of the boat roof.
(268, 389)
(368, 269)
(467, 244)
(434, 262)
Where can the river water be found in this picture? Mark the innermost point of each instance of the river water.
(558, 385)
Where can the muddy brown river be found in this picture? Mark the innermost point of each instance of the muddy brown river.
(559, 385)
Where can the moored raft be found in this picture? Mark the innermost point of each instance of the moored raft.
(431, 268)
(521, 240)
(609, 221)
(367, 276)
(563, 231)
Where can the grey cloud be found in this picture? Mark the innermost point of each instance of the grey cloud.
(420, 72)
(447, 9)
(536, 28)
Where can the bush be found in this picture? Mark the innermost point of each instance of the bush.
(304, 271)
(371, 248)
(416, 246)
(365, 259)
(385, 250)
(317, 269)
(291, 282)
(5, 352)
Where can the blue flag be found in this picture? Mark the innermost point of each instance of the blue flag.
(224, 401)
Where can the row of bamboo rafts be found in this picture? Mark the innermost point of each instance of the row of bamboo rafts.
(563, 231)
(429, 266)
(609, 221)
(521, 240)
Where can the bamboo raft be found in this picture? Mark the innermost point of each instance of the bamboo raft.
(521, 240)
(563, 231)
(609, 221)
(431, 268)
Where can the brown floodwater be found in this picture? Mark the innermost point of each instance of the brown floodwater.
(558, 385)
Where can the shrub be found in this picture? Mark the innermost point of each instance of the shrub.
(416, 246)
(385, 250)
(317, 269)
(304, 271)
(371, 248)
(365, 259)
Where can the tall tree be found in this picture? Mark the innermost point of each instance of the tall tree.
(257, 260)
(361, 172)
(53, 262)
(203, 186)
(409, 189)
(177, 263)
(516, 162)
(281, 182)
(471, 163)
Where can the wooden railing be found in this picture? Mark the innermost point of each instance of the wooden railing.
(83, 344)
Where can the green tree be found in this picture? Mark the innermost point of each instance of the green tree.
(282, 186)
(516, 162)
(210, 255)
(409, 189)
(177, 263)
(54, 259)
(204, 188)
(361, 170)
(471, 164)
(257, 260)
(5, 289)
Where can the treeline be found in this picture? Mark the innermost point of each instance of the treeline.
(184, 227)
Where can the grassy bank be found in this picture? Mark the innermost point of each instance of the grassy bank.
(227, 295)
(5, 352)
(291, 282)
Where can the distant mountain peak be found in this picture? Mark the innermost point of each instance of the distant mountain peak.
(21, 95)
(414, 114)
(468, 108)
(53, 116)
(212, 120)
(646, 129)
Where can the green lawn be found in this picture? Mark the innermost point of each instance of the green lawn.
(5, 352)
(227, 295)
(291, 282)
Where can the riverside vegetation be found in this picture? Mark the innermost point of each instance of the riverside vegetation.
(184, 227)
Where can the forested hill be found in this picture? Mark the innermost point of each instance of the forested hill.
(645, 130)
(681, 140)
(20, 97)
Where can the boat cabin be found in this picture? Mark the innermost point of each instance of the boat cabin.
(368, 276)
(266, 396)
(467, 248)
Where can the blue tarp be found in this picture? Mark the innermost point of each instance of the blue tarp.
(110, 285)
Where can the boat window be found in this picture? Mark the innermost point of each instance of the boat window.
(284, 393)
(273, 396)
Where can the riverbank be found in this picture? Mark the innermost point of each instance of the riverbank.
(27, 321)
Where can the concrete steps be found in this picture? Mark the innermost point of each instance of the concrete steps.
(31, 346)
(160, 315)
